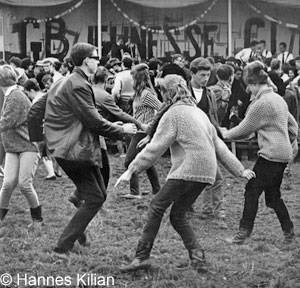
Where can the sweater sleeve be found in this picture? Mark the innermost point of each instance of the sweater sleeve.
(84, 108)
(14, 111)
(163, 138)
(110, 105)
(251, 123)
(226, 157)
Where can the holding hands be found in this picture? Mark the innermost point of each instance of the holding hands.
(129, 128)
(248, 174)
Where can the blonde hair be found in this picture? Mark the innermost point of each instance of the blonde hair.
(174, 89)
(8, 76)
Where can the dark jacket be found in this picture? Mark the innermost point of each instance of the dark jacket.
(291, 99)
(35, 119)
(212, 105)
(72, 122)
(108, 108)
(278, 82)
(211, 111)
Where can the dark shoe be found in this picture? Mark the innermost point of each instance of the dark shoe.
(198, 260)
(3, 212)
(75, 201)
(143, 250)
(61, 253)
(36, 214)
(289, 236)
(239, 237)
(82, 240)
(136, 264)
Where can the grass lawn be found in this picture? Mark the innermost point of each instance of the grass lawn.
(263, 261)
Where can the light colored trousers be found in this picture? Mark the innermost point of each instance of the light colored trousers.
(213, 197)
(19, 169)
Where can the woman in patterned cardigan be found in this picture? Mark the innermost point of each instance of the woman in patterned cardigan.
(145, 104)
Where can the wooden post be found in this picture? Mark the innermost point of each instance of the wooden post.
(99, 29)
(229, 27)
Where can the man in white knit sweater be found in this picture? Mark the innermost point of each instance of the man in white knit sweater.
(276, 129)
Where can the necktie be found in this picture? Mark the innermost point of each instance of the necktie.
(283, 58)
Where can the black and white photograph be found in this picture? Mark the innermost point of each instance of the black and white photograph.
(149, 143)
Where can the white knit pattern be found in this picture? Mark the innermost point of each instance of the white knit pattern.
(194, 144)
(268, 115)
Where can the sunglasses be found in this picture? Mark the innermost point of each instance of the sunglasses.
(94, 57)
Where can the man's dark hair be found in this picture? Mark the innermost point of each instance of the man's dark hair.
(80, 51)
(57, 65)
(153, 63)
(15, 60)
(225, 71)
(31, 84)
(69, 64)
(26, 62)
(46, 78)
(253, 43)
(100, 75)
(127, 62)
(262, 42)
(282, 44)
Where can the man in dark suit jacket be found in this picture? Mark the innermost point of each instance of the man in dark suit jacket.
(72, 127)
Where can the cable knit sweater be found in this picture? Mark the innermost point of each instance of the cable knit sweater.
(194, 146)
(268, 115)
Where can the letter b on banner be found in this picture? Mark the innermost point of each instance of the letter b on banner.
(59, 36)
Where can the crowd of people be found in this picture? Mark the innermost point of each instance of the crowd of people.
(63, 113)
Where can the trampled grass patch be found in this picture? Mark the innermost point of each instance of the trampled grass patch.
(263, 261)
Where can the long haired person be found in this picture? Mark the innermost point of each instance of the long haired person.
(145, 104)
(195, 147)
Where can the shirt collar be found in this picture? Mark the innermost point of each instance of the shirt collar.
(262, 91)
(80, 72)
(10, 89)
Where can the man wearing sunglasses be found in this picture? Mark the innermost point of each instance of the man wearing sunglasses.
(72, 128)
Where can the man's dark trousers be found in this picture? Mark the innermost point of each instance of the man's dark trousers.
(90, 186)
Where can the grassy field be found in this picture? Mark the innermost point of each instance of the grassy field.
(263, 261)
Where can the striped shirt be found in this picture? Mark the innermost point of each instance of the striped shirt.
(145, 106)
